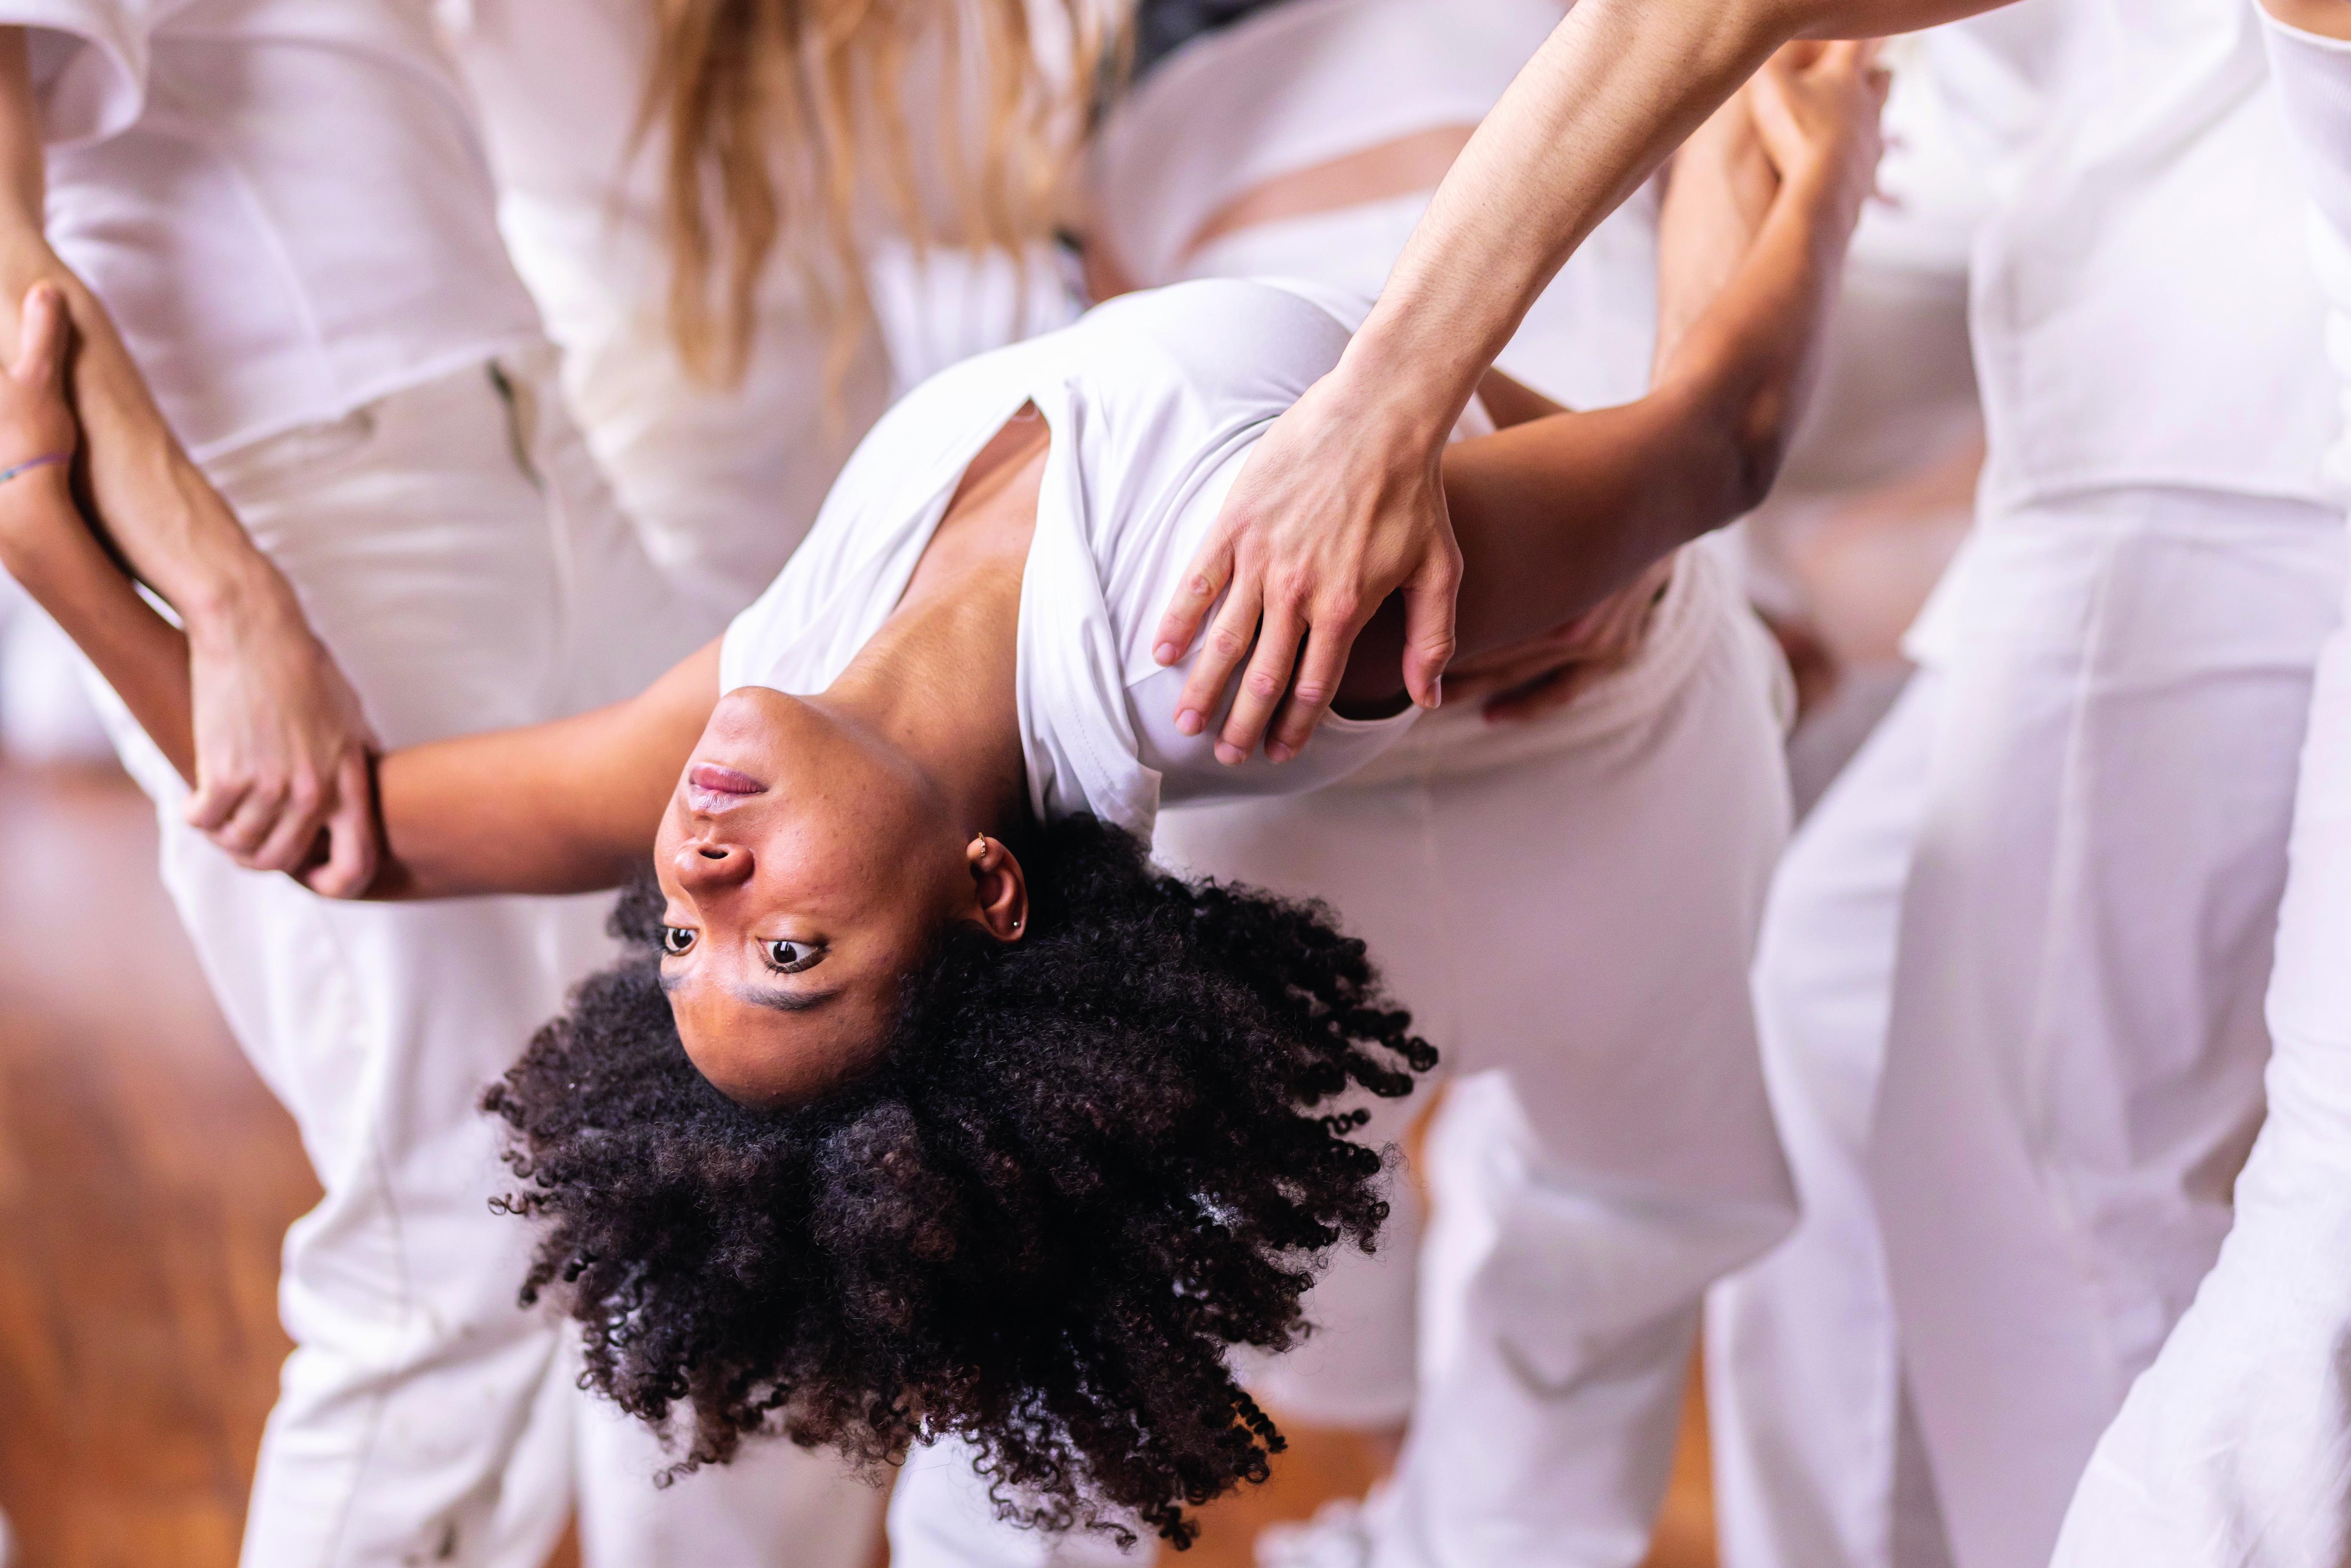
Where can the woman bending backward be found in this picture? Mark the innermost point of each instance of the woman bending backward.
(923, 1103)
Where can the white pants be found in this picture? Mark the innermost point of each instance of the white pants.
(1802, 1376)
(1569, 909)
(454, 546)
(2231, 1450)
(2044, 904)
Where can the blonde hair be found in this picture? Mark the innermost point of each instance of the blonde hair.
(781, 120)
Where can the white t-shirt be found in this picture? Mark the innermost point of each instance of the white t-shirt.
(282, 203)
(2142, 310)
(1153, 401)
(2314, 84)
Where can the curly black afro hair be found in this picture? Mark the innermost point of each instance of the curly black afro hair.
(1088, 1163)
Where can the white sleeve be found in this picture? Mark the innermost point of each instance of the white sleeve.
(89, 63)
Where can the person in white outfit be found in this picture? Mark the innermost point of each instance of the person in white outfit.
(958, 1185)
(624, 153)
(1583, 971)
(2229, 1449)
(2054, 1180)
(284, 210)
(2017, 1055)
(720, 461)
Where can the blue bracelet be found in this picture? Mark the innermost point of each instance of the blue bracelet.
(32, 463)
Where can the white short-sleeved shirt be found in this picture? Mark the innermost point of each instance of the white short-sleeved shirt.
(2142, 310)
(2314, 84)
(1153, 402)
(282, 203)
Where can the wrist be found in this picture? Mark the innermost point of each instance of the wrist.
(224, 602)
(190, 548)
(1826, 194)
(33, 506)
(1394, 395)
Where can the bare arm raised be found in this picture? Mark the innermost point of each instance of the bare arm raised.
(1340, 505)
(1556, 513)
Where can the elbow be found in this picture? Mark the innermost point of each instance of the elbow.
(1746, 449)
(1757, 452)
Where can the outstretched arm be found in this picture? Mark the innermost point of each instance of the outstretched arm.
(1341, 505)
(567, 807)
(1556, 513)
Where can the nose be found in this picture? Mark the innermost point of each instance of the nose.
(708, 864)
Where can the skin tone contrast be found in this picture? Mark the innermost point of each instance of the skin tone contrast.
(812, 850)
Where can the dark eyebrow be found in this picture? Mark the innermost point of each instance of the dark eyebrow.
(782, 1001)
(779, 1001)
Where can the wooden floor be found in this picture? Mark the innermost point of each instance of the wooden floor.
(145, 1180)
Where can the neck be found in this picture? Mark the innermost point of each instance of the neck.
(938, 680)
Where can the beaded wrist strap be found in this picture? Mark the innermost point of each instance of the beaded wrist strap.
(32, 463)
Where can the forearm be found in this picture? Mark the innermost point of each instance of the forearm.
(46, 546)
(451, 831)
(1555, 514)
(567, 807)
(1613, 89)
(1616, 89)
(152, 503)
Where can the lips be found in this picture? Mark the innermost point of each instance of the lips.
(723, 780)
(711, 787)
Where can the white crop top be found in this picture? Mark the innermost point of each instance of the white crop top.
(1153, 402)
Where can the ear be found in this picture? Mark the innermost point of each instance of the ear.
(999, 887)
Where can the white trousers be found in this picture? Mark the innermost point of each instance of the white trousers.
(454, 547)
(1569, 909)
(2011, 981)
(2231, 1450)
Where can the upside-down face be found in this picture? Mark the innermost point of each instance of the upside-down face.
(805, 869)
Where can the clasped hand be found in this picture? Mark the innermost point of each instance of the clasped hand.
(279, 776)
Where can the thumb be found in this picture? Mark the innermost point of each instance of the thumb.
(41, 340)
(1429, 600)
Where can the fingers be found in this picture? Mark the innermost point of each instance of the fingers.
(285, 841)
(1226, 644)
(1211, 569)
(1328, 643)
(213, 802)
(353, 847)
(41, 342)
(1261, 691)
(247, 826)
(1429, 600)
(264, 823)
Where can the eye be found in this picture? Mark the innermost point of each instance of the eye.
(787, 957)
(677, 940)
